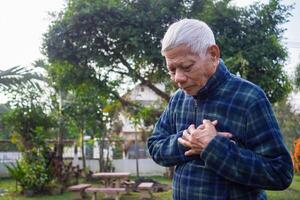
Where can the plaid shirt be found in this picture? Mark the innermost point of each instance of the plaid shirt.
(224, 170)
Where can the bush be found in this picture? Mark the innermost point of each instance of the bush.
(30, 174)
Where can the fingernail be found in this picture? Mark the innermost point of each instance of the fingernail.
(206, 121)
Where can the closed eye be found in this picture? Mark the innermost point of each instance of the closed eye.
(171, 73)
(187, 68)
(171, 70)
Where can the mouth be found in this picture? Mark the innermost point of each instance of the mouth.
(187, 87)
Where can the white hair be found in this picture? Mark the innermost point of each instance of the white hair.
(194, 33)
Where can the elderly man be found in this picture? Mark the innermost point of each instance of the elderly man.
(218, 129)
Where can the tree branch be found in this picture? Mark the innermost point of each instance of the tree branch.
(145, 81)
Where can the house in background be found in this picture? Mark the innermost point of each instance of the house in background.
(145, 96)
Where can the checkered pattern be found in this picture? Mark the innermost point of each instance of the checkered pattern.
(225, 170)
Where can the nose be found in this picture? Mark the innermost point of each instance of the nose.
(179, 76)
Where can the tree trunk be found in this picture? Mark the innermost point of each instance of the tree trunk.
(82, 151)
(101, 152)
(136, 154)
(107, 164)
(60, 147)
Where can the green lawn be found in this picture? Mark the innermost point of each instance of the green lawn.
(292, 193)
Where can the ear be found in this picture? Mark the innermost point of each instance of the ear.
(214, 52)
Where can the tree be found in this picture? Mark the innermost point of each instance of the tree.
(62, 77)
(297, 77)
(120, 40)
(84, 102)
(260, 57)
(4, 134)
(288, 121)
(16, 76)
(27, 119)
(85, 109)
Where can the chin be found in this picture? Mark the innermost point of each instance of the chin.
(190, 92)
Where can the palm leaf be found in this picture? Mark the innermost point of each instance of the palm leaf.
(17, 76)
(16, 171)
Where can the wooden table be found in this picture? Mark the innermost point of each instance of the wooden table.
(108, 178)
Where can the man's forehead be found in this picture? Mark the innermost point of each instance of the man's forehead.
(175, 60)
(179, 59)
(179, 51)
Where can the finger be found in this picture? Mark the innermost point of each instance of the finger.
(201, 126)
(200, 145)
(191, 152)
(184, 142)
(186, 131)
(185, 135)
(188, 153)
(191, 128)
(209, 127)
(225, 134)
(206, 121)
(197, 141)
(215, 122)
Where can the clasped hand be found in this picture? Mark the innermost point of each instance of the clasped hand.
(198, 138)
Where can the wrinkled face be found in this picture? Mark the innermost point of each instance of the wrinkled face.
(189, 70)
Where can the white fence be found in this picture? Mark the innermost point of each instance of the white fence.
(6, 157)
(147, 167)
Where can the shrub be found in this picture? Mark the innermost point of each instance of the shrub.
(30, 174)
(296, 155)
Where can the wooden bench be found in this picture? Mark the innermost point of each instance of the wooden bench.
(146, 190)
(108, 192)
(128, 185)
(80, 188)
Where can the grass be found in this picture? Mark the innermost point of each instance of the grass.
(292, 193)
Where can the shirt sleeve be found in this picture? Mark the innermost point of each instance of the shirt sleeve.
(163, 145)
(263, 161)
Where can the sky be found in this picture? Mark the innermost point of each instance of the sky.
(23, 23)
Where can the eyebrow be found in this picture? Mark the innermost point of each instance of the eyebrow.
(181, 63)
